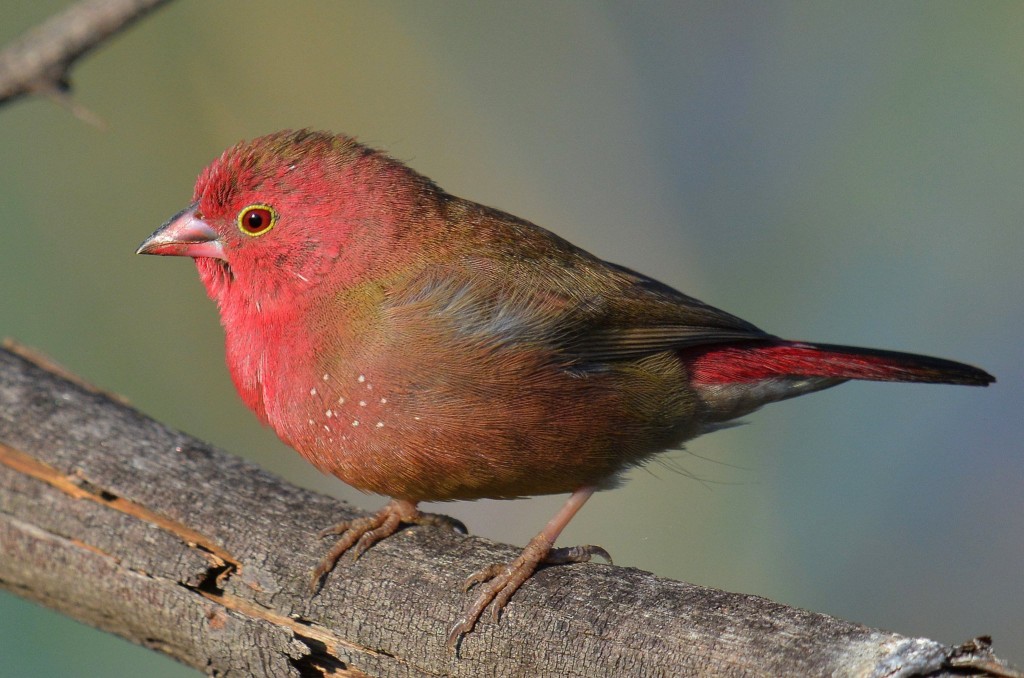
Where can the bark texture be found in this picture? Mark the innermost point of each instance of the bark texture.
(125, 524)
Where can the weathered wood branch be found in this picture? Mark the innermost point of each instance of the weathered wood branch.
(138, 529)
(39, 61)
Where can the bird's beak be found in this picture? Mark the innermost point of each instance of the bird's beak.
(184, 235)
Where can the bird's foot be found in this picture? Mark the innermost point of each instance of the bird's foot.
(439, 520)
(360, 534)
(577, 554)
(501, 580)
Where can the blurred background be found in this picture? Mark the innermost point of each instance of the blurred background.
(839, 172)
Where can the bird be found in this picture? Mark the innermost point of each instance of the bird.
(425, 347)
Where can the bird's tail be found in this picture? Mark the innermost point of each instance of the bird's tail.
(735, 379)
(754, 361)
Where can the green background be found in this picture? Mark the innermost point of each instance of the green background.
(841, 172)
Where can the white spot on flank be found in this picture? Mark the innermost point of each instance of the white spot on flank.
(301, 277)
(327, 428)
(329, 413)
(383, 401)
(380, 424)
(311, 422)
(312, 391)
(369, 387)
(362, 378)
(326, 376)
(355, 423)
(341, 400)
(362, 403)
(416, 418)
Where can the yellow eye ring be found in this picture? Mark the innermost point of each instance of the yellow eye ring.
(256, 220)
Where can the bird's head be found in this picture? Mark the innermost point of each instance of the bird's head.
(284, 216)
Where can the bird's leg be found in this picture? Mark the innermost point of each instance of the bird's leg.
(362, 533)
(503, 579)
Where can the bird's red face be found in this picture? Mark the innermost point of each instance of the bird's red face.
(276, 219)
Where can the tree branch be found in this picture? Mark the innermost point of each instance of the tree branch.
(138, 529)
(38, 62)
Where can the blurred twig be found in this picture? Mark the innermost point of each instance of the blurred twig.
(39, 61)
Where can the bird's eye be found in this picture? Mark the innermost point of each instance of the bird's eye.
(257, 219)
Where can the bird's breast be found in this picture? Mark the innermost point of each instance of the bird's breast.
(422, 411)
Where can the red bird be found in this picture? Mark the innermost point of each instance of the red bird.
(425, 347)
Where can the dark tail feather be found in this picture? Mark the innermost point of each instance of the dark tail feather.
(755, 361)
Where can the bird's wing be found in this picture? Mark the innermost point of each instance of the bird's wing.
(630, 343)
(645, 316)
(587, 312)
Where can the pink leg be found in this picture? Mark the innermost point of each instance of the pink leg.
(502, 580)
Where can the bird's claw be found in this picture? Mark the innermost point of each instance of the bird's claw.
(335, 529)
(485, 574)
(577, 554)
(442, 521)
(501, 580)
(358, 535)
